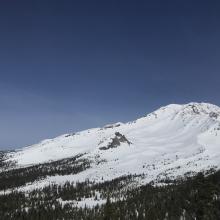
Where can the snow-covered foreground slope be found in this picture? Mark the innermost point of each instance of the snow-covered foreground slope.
(169, 142)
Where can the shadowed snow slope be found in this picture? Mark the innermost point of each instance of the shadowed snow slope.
(171, 141)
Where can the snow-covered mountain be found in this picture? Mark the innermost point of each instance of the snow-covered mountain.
(169, 142)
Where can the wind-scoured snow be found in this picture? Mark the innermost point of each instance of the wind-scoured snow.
(171, 141)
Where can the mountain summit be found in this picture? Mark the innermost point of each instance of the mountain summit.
(168, 143)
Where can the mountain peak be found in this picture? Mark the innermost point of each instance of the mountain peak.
(201, 108)
(191, 108)
(171, 141)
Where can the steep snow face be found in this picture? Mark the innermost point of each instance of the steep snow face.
(170, 141)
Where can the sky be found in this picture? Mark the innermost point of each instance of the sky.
(70, 65)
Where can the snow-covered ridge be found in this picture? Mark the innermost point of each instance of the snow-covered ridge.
(170, 141)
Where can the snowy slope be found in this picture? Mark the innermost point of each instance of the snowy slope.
(171, 141)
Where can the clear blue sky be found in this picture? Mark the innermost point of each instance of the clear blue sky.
(71, 65)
